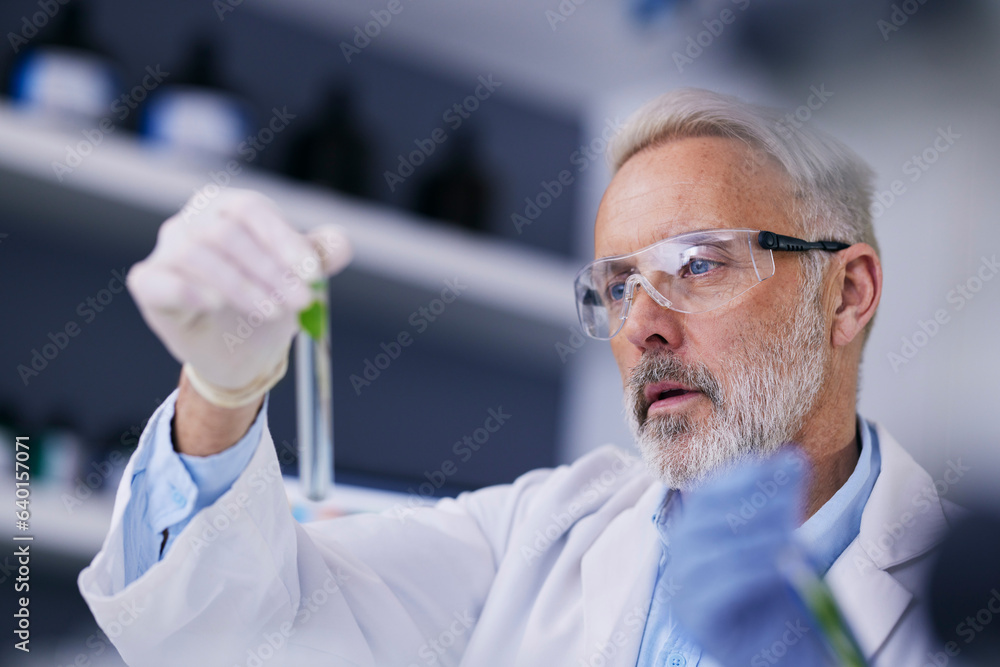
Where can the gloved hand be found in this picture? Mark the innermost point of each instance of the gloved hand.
(733, 599)
(223, 287)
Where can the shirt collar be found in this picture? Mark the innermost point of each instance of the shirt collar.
(835, 525)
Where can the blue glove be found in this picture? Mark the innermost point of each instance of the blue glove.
(725, 550)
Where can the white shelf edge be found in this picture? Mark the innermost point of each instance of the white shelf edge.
(501, 275)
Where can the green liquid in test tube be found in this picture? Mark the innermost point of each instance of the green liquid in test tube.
(313, 318)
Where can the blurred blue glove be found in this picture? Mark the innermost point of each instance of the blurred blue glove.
(725, 551)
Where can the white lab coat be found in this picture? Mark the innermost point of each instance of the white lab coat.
(555, 569)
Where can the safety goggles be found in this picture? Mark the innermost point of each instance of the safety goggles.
(691, 273)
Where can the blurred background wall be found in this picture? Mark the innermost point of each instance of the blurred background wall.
(501, 209)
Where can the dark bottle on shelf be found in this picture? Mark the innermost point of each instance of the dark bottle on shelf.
(458, 191)
(333, 151)
(10, 429)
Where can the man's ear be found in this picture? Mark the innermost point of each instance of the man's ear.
(857, 289)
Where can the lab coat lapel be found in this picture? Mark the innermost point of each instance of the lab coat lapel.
(902, 520)
(870, 598)
(618, 574)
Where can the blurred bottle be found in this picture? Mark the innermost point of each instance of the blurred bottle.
(333, 151)
(106, 458)
(61, 75)
(458, 191)
(194, 113)
(649, 11)
(59, 451)
(10, 428)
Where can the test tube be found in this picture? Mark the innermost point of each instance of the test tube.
(314, 408)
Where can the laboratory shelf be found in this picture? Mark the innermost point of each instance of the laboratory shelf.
(519, 298)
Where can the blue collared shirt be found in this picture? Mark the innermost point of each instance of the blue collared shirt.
(168, 488)
(824, 535)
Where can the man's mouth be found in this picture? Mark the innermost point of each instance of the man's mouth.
(665, 395)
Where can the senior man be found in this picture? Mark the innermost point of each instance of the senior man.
(736, 276)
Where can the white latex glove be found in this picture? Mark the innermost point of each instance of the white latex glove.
(223, 287)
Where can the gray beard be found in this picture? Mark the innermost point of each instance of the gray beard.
(772, 383)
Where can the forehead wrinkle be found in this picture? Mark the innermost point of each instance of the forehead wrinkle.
(664, 219)
(686, 186)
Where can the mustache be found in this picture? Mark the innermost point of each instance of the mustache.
(665, 366)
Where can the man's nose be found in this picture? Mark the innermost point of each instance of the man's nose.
(650, 325)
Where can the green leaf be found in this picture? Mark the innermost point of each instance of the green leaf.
(313, 320)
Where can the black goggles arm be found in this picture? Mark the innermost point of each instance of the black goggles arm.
(772, 241)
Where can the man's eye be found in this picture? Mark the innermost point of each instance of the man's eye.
(698, 267)
(616, 291)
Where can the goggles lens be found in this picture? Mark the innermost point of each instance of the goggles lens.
(691, 273)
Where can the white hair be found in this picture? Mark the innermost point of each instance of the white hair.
(832, 185)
